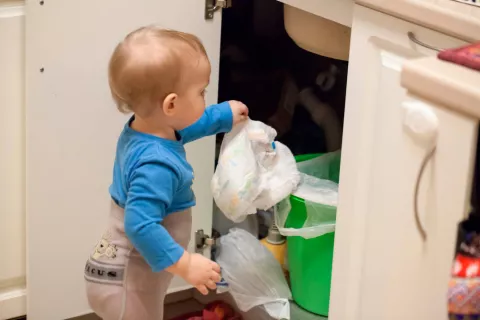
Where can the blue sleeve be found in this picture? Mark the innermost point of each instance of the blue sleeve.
(151, 190)
(216, 119)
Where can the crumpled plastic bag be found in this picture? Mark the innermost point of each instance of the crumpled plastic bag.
(326, 166)
(253, 171)
(320, 195)
(319, 179)
(254, 276)
(318, 222)
(317, 190)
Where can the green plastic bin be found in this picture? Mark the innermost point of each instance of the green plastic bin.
(310, 260)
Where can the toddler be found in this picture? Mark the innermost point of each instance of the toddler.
(159, 75)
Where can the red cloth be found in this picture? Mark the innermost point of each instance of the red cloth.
(468, 56)
(466, 267)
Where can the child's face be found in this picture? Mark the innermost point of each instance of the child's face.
(190, 103)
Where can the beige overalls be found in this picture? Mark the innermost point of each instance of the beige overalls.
(120, 284)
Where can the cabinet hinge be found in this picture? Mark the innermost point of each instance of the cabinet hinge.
(213, 5)
(202, 241)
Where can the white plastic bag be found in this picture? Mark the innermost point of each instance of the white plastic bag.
(317, 193)
(317, 224)
(317, 190)
(253, 275)
(253, 171)
(322, 167)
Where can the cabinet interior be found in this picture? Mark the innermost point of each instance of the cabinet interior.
(261, 66)
(299, 93)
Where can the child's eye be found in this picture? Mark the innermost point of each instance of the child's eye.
(204, 92)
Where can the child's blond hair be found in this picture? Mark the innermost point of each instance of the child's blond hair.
(148, 65)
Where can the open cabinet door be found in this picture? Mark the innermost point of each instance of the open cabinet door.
(72, 127)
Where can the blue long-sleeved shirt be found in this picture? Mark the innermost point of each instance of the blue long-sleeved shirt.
(152, 178)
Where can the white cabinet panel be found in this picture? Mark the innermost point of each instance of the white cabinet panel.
(400, 268)
(12, 137)
(382, 268)
(72, 128)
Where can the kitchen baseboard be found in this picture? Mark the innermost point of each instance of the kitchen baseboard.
(13, 303)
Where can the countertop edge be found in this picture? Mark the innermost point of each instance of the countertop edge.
(449, 85)
(429, 15)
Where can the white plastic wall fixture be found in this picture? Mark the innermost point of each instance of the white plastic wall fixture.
(421, 122)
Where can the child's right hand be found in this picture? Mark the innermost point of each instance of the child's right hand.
(197, 270)
(239, 111)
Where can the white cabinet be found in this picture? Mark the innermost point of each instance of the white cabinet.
(72, 126)
(383, 269)
(12, 199)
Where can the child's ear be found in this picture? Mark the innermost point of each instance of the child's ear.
(168, 105)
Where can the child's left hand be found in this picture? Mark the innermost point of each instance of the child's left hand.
(239, 110)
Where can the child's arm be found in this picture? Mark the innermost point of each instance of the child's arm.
(151, 190)
(216, 119)
(152, 186)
